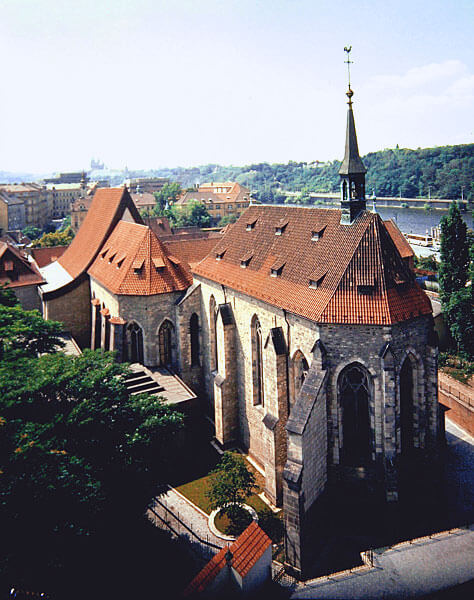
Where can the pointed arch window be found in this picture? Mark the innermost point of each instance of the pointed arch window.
(354, 391)
(134, 343)
(257, 363)
(213, 311)
(194, 338)
(165, 340)
(407, 387)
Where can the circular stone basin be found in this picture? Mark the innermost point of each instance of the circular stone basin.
(219, 534)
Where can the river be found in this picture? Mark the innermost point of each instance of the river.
(416, 220)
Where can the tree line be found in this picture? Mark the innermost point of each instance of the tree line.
(441, 172)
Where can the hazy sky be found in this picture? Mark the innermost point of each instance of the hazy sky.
(149, 83)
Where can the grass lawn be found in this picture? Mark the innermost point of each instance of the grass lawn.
(196, 491)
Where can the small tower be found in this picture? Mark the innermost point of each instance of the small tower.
(352, 171)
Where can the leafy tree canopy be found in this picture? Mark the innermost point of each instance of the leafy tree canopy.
(231, 485)
(32, 232)
(169, 193)
(192, 214)
(453, 271)
(62, 237)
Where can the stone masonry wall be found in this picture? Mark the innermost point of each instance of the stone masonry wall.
(459, 398)
(73, 309)
(190, 374)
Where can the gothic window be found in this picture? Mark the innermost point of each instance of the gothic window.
(257, 362)
(194, 336)
(165, 337)
(354, 397)
(406, 405)
(107, 333)
(213, 334)
(299, 370)
(134, 343)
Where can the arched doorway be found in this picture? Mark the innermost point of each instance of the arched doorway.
(165, 340)
(354, 392)
(134, 343)
(407, 377)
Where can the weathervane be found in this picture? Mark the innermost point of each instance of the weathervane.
(349, 92)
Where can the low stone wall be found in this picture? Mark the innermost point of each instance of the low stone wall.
(459, 399)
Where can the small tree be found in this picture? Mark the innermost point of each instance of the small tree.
(231, 485)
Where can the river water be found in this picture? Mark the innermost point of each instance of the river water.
(416, 220)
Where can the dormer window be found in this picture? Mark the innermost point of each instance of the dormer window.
(220, 254)
(277, 268)
(316, 279)
(137, 266)
(317, 234)
(112, 256)
(251, 225)
(365, 283)
(281, 226)
(158, 264)
(245, 261)
(120, 259)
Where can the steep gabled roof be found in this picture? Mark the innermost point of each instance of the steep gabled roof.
(108, 206)
(191, 251)
(399, 239)
(15, 269)
(134, 262)
(344, 274)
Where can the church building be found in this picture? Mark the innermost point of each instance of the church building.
(303, 332)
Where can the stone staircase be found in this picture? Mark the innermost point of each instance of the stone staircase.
(139, 382)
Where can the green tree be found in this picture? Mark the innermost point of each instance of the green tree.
(32, 232)
(63, 237)
(169, 193)
(192, 214)
(7, 296)
(227, 219)
(231, 484)
(79, 456)
(24, 333)
(453, 269)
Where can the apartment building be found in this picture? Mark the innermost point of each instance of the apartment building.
(36, 200)
(220, 198)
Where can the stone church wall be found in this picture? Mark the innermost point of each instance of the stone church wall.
(189, 373)
(148, 312)
(73, 309)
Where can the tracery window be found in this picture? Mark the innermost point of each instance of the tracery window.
(194, 338)
(213, 333)
(257, 362)
(354, 396)
(134, 343)
(165, 338)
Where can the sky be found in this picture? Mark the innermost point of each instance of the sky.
(164, 83)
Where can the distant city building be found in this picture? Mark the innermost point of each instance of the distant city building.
(75, 177)
(12, 212)
(79, 210)
(36, 200)
(146, 184)
(220, 198)
(63, 195)
(144, 201)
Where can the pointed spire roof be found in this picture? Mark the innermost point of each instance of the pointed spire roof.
(134, 262)
(352, 163)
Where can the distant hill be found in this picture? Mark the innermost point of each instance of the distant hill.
(391, 172)
(441, 171)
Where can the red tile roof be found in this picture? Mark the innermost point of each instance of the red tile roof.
(245, 552)
(399, 239)
(248, 548)
(134, 262)
(108, 206)
(44, 256)
(15, 269)
(191, 251)
(347, 254)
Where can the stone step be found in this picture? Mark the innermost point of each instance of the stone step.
(152, 389)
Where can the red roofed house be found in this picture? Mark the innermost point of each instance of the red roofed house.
(303, 329)
(245, 566)
(17, 273)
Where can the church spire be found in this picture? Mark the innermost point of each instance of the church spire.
(352, 171)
